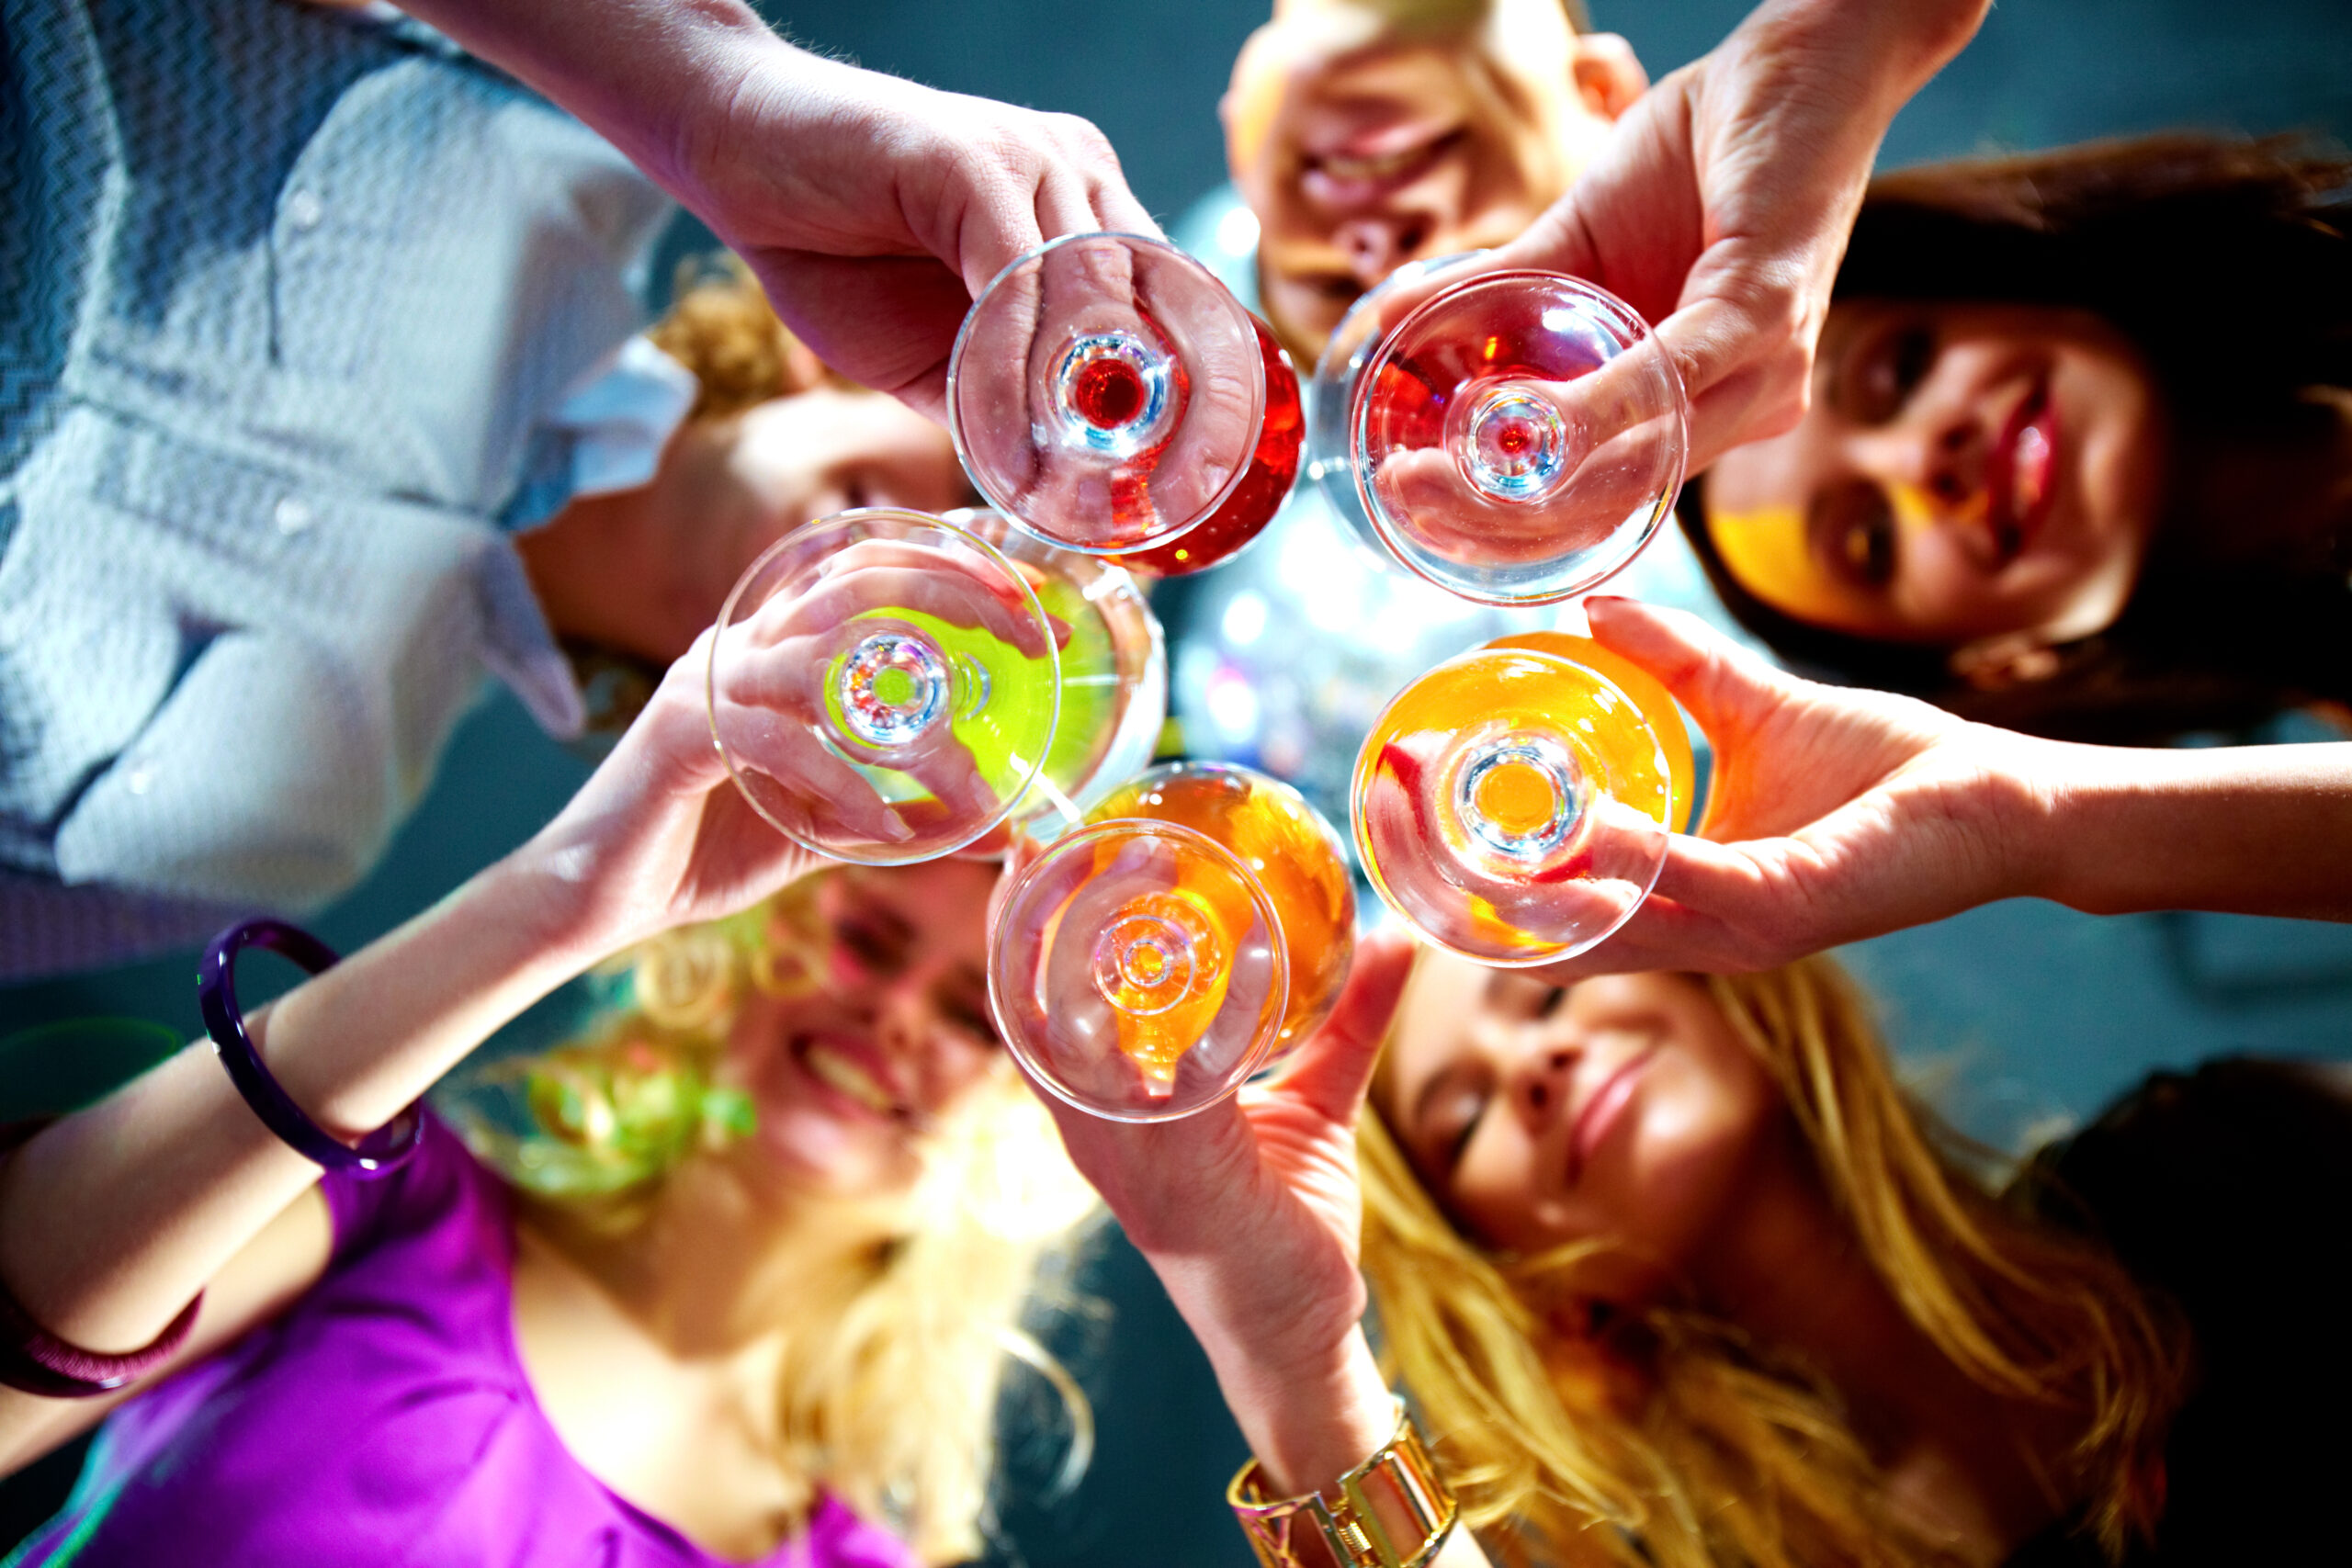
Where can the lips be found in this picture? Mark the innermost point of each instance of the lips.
(2021, 475)
(1361, 170)
(855, 1076)
(1602, 1109)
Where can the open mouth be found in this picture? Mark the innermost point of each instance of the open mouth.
(2022, 475)
(1366, 169)
(844, 1069)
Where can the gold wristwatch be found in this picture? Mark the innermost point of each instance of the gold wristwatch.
(1392, 1510)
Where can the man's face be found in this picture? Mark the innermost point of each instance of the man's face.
(1365, 138)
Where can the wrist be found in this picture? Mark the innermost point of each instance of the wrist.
(1911, 39)
(555, 892)
(363, 1040)
(2030, 813)
(1307, 1426)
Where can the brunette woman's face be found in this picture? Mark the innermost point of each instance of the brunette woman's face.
(1621, 1111)
(895, 1033)
(1965, 473)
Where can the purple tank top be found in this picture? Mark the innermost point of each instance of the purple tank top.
(383, 1419)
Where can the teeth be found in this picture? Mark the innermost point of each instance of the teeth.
(853, 1080)
(1340, 165)
(2032, 467)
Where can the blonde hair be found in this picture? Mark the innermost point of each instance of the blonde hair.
(1667, 1440)
(888, 1389)
(720, 326)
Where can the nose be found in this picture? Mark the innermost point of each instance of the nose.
(903, 1017)
(1937, 455)
(1952, 462)
(1377, 243)
(1539, 1089)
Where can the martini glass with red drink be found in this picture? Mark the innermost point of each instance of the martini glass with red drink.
(1112, 397)
(1514, 437)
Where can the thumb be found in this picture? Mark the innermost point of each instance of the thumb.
(1560, 240)
(1331, 1070)
(1722, 684)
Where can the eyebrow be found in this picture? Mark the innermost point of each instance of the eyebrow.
(1829, 354)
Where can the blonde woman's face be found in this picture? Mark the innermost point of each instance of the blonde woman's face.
(1361, 145)
(1621, 1111)
(831, 448)
(892, 1037)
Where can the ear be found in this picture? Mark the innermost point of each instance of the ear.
(2012, 658)
(1606, 76)
(1245, 112)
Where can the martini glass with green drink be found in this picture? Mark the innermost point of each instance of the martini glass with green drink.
(887, 686)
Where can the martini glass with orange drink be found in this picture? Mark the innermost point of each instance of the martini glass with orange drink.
(1192, 932)
(1513, 804)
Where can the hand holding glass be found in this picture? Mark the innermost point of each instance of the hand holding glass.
(1513, 804)
(1110, 395)
(1196, 929)
(1514, 438)
(887, 686)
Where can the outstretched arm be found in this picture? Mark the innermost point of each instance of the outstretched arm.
(1838, 814)
(1251, 1214)
(872, 209)
(112, 1219)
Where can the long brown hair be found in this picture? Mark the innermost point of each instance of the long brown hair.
(2228, 262)
(1668, 1440)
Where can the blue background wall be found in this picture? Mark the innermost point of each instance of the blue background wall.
(2037, 1014)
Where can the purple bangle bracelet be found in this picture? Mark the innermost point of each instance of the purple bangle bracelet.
(36, 1362)
(382, 1151)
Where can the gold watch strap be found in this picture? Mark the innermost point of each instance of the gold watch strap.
(1392, 1510)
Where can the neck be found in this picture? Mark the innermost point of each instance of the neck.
(724, 1260)
(1965, 1465)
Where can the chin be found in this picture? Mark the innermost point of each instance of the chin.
(811, 1153)
(2108, 395)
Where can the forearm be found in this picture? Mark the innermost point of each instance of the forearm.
(643, 74)
(1307, 1426)
(1896, 44)
(113, 1218)
(2246, 829)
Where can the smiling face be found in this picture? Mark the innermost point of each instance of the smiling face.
(1367, 135)
(1622, 1110)
(847, 1079)
(1965, 473)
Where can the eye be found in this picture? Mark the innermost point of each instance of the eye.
(1456, 1121)
(968, 1012)
(873, 946)
(1518, 997)
(1890, 371)
(1862, 543)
